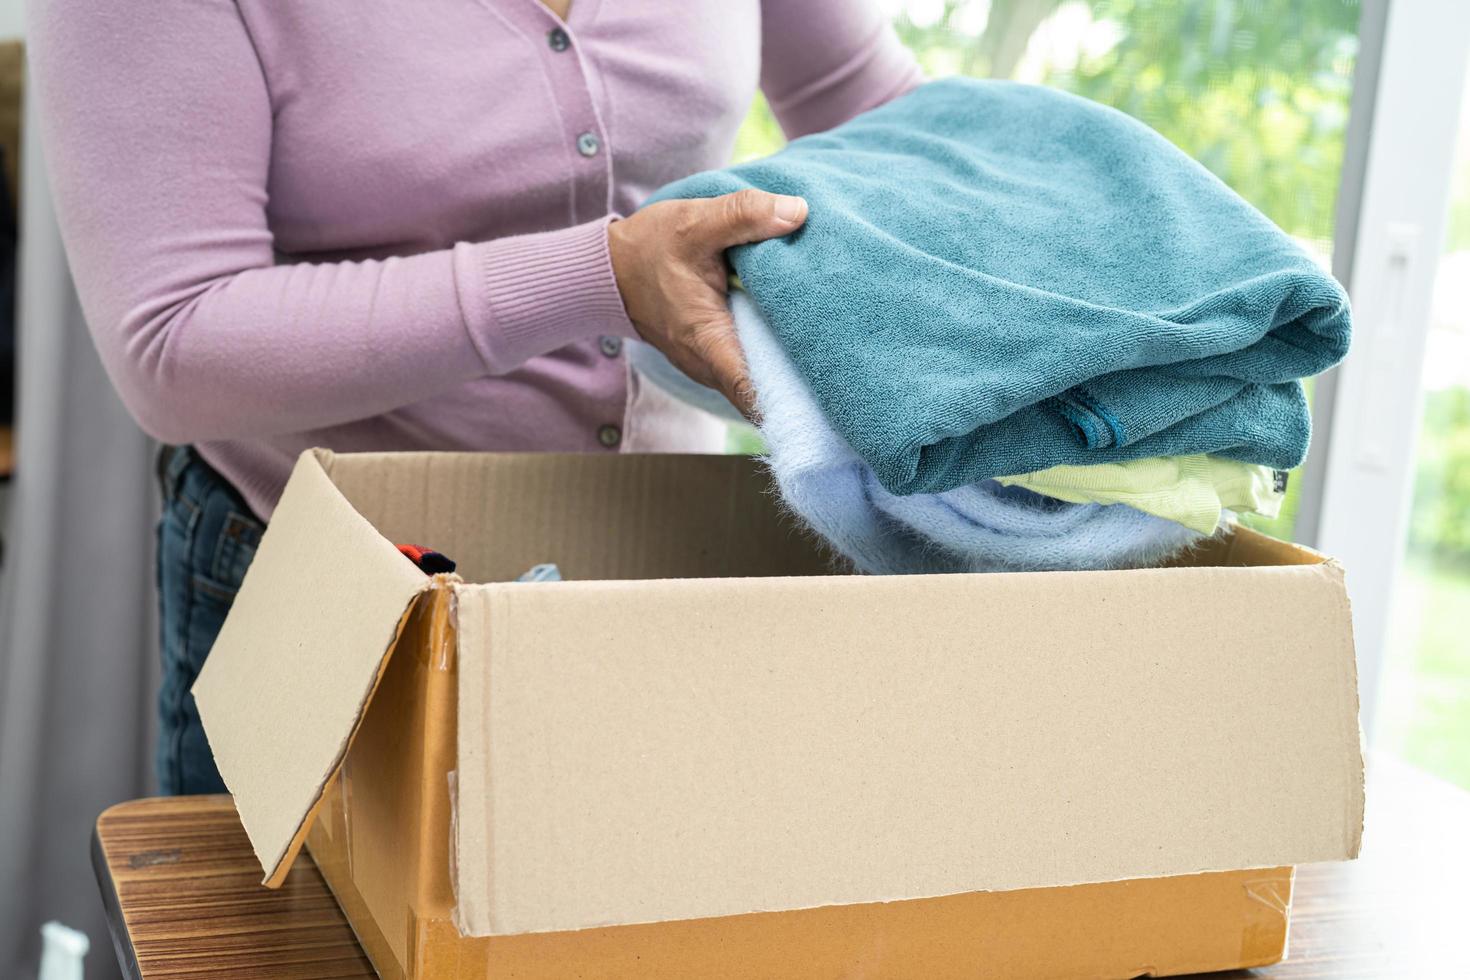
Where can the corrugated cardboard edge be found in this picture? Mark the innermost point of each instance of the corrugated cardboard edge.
(1356, 804)
(275, 876)
(473, 911)
(279, 656)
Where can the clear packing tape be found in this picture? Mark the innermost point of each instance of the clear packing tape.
(382, 840)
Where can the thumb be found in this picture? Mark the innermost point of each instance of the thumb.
(753, 216)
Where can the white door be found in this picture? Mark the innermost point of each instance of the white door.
(1367, 457)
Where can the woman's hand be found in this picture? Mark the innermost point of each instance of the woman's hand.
(669, 260)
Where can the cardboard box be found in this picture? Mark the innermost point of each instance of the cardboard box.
(707, 754)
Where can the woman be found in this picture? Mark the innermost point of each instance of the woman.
(399, 226)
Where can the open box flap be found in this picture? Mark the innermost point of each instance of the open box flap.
(299, 657)
(650, 751)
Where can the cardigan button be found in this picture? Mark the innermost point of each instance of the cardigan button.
(558, 39)
(609, 436)
(588, 144)
(611, 346)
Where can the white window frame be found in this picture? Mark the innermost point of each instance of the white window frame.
(1394, 202)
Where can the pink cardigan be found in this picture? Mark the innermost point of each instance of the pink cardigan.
(382, 226)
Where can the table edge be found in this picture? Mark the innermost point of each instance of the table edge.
(122, 943)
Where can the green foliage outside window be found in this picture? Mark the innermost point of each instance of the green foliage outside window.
(1256, 90)
(1439, 525)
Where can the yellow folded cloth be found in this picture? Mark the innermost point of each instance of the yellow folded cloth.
(1192, 490)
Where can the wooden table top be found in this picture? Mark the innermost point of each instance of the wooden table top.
(183, 895)
(182, 891)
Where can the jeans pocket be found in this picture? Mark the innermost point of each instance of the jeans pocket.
(234, 550)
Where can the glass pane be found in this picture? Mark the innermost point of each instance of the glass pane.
(1426, 687)
(1256, 91)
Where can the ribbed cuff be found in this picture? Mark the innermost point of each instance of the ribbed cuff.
(530, 294)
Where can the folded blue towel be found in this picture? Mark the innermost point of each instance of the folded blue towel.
(984, 527)
(996, 278)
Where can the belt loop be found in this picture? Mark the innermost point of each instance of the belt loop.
(172, 461)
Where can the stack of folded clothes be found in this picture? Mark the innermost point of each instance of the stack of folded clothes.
(1019, 330)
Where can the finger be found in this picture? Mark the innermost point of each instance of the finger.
(720, 348)
(752, 216)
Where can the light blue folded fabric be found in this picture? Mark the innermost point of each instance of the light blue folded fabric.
(997, 278)
(983, 527)
(545, 572)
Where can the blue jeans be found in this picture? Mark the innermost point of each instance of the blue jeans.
(206, 539)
